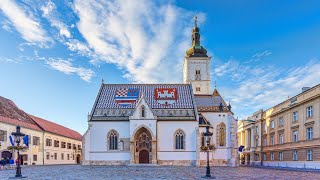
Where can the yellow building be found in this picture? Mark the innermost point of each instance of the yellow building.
(290, 132)
(49, 143)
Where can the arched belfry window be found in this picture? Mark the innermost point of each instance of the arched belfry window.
(198, 73)
(113, 140)
(143, 111)
(179, 137)
(221, 130)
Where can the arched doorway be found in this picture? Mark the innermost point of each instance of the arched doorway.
(78, 159)
(6, 154)
(143, 146)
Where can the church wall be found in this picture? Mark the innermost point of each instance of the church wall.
(167, 154)
(98, 141)
(221, 155)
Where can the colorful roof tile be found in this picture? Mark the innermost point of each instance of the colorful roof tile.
(116, 100)
(210, 102)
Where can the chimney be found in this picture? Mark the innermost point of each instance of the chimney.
(304, 89)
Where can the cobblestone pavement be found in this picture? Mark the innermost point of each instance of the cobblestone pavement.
(70, 172)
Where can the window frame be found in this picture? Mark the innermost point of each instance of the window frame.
(309, 111)
(309, 133)
(179, 137)
(309, 155)
(295, 116)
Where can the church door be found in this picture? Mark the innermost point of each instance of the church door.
(144, 157)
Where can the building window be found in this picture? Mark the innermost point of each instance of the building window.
(179, 139)
(264, 156)
(295, 136)
(3, 135)
(280, 121)
(295, 116)
(309, 111)
(35, 157)
(295, 155)
(48, 155)
(35, 141)
(48, 142)
(272, 140)
(56, 143)
(257, 129)
(68, 156)
(257, 142)
(264, 127)
(309, 155)
(63, 144)
(198, 75)
(221, 134)
(143, 111)
(281, 156)
(79, 147)
(264, 141)
(68, 145)
(281, 138)
(55, 156)
(198, 88)
(62, 156)
(272, 124)
(272, 156)
(113, 140)
(309, 133)
(74, 146)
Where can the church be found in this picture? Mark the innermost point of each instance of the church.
(162, 123)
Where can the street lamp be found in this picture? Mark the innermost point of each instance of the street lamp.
(207, 136)
(18, 136)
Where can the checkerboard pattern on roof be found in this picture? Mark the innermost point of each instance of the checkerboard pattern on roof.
(106, 99)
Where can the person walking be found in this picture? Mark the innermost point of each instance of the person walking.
(2, 163)
(11, 162)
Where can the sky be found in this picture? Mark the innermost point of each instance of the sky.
(54, 54)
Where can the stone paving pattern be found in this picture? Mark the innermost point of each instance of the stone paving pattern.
(70, 172)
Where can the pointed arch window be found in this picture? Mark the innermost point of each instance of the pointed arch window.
(221, 134)
(143, 111)
(113, 140)
(179, 137)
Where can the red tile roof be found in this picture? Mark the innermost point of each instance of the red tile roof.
(20, 123)
(11, 114)
(56, 128)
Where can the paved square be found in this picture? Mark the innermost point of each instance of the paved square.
(155, 172)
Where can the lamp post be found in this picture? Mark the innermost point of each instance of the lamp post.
(18, 136)
(207, 136)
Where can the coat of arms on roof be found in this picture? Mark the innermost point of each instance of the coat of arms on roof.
(126, 96)
(165, 96)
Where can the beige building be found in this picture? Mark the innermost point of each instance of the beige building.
(49, 143)
(290, 135)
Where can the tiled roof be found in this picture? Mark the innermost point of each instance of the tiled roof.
(107, 96)
(56, 128)
(108, 105)
(20, 123)
(10, 110)
(210, 102)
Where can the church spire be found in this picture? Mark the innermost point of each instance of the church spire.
(196, 50)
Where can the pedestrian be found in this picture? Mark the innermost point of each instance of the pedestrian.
(2, 163)
(11, 162)
(7, 163)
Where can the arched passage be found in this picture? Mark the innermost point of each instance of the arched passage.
(143, 146)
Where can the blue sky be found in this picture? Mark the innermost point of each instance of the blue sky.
(53, 54)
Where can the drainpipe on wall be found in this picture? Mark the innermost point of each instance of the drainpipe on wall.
(42, 147)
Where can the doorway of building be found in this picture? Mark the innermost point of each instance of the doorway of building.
(78, 159)
(143, 146)
(143, 157)
(6, 154)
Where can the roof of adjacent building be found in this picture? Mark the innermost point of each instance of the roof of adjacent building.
(11, 114)
(181, 104)
(211, 102)
(56, 128)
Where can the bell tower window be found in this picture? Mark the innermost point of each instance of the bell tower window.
(198, 89)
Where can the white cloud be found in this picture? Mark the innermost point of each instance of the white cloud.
(265, 86)
(145, 39)
(66, 67)
(50, 13)
(24, 22)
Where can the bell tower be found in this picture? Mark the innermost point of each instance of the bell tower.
(196, 67)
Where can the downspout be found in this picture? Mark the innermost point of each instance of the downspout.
(42, 147)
